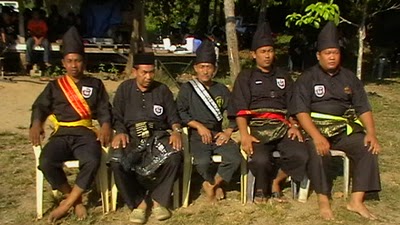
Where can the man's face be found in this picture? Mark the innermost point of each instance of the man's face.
(264, 56)
(204, 71)
(329, 59)
(74, 64)
(144, 75)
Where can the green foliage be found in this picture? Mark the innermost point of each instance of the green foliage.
(315, 14)
(113, 69)
(55, 71)
(102, 68)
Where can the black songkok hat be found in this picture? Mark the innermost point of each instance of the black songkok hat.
(72, 42)
(145, 58)
(205, 53)
(262, 36)
(328, 37)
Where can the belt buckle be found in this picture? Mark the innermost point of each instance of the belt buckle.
(142, 130)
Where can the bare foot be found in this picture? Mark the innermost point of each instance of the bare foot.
(325, 211)
(59, 212)
(362, 210)
(80, 211)
(219, 193)
(209, 190)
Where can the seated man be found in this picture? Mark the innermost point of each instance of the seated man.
(72, 101)
(260, 99)
(201, 103)
(147, 158)
(332, 106)
(37, 29)
(9, 26)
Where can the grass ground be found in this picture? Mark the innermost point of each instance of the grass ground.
(17, 185)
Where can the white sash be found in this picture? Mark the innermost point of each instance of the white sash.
(207, 99)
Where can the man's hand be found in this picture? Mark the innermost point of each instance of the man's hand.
(176, 140)
(205, 133)
(371, 141)
(120, 140)
(247, 143)
(222, 137)
(294, 132)
(36, 133)
(322, 145)
(105, 134)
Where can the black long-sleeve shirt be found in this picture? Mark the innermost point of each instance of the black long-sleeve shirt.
(254, 89)
(52, 100)
(131, 106)
(191, 107)
(317, 91)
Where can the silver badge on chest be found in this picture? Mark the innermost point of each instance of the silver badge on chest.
(87, 91)
(319, 90)
(158, 110)
(280, 82)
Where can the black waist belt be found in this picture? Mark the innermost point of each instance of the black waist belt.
(145, 129)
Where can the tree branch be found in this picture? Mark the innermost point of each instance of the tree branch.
(395, 6)
(343, 20)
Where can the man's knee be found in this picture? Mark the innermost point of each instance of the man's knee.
(47, 164)
(91, 163)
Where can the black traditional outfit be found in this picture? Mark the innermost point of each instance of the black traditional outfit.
(263, 98)
(206, 106)
(334, 102)
(148, 162)
(72, 107)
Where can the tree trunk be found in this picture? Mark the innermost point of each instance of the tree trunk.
(135, 36)
(231, 38)
(202, 21)
(361, 37)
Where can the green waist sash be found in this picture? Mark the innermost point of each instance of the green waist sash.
(330, 125)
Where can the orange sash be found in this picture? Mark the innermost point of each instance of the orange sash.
(74, 97)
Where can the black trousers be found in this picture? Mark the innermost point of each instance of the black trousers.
(85, 149)
(293, 161)
(133, 188)
(230, 153)
(365, 169)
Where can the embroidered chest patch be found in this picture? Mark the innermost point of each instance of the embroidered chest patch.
(87, 91)
(280, 82)
(158, 110)
(319, 90)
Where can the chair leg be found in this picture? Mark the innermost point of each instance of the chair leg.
(176, 194)
(346, 176)
(39, 184)
(293, 187)
(39, 193)
(187, 174)
(304, 188)
(243, 179)
(114, 193)
(251, 180)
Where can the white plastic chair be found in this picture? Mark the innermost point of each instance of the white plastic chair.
(304, 187)
(101, 180)
(188, 167)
